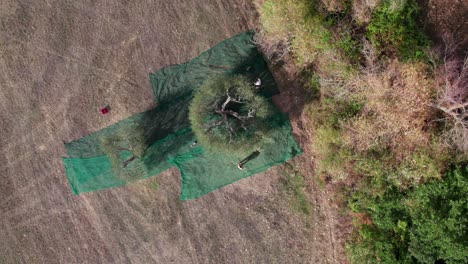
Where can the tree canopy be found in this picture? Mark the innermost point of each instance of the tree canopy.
(422, 225)
(227, 114)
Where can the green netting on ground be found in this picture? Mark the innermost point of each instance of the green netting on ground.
(96, 173)
(166, 129)
(203, 171)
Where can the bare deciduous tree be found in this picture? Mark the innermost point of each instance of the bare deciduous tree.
(452, 79)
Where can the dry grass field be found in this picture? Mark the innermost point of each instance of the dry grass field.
(60, 61)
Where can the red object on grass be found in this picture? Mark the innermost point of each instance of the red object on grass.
(105, 110)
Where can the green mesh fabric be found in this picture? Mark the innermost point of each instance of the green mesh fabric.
(203, 171)
(95, 173)
(166, 129)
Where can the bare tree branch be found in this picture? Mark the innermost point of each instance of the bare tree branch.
(236, 115)
(126, 162)
(452, 79)
(230, 129)
(213, 125)
(223, 107)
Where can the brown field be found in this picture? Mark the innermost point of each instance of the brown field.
(60, 61)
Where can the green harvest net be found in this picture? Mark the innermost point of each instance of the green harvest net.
(166, 130)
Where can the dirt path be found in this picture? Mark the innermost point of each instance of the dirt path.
(329, 227)
(62, 60)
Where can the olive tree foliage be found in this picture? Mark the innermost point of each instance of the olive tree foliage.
(123, 147)
(227, 114)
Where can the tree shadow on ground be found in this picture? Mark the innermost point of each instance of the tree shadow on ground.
(294, 93)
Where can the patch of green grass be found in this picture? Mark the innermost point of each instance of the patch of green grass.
(314, 85)
(380, 169)
(346, 110)
(293, 183)
(418, 168)
(394, 28)
(332, 112)
(333, 159)
(299, 23)
(350, 47)
(320, 182)
(154, 184)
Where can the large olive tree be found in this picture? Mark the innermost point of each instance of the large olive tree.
(228, 114)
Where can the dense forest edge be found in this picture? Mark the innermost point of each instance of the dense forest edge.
(388, 121)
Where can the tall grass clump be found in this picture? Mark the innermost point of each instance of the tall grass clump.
(297, 26)
(293, 183)
(333, 159)
(394, 29)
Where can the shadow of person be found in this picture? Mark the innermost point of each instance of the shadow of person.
(252, 156)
